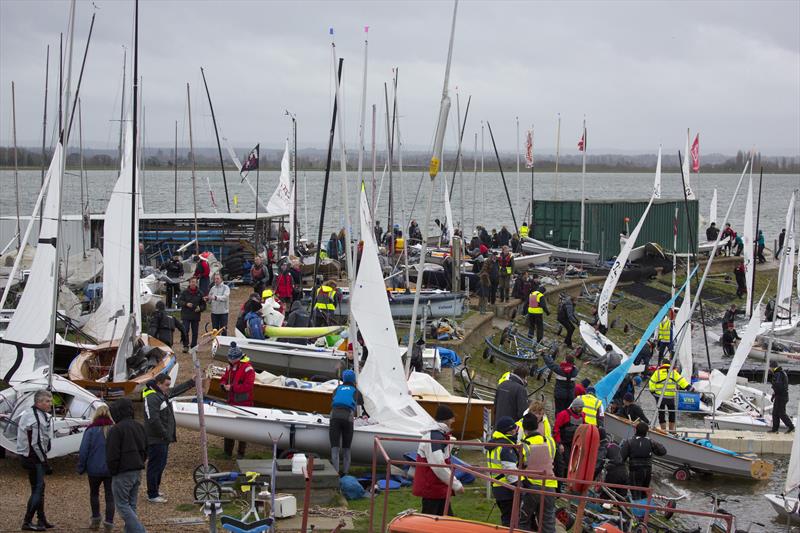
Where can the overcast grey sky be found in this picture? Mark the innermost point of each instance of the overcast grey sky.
(642, 72)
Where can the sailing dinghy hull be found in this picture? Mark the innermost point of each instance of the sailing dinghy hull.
(685, 454)
(439, 304)
(533, 246)
(786, 507)
(596, 343)
(293, 430)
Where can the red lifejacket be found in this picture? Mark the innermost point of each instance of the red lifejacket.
(241, 380)
(285, 286)
(426, 484)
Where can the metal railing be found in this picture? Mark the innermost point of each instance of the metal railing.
(486, 474)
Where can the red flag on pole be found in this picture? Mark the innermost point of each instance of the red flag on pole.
(582, 142)
(695, 151)
(529, 149)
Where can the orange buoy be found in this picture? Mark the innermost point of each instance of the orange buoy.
(424, 523)
(583, 457)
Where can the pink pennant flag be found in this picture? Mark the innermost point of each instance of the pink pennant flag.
(695, 151)
(582, 142)
(529, 149)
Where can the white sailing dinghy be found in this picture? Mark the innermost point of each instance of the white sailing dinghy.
(787, 320)
(595, 340)
(25, 347)
(117, 322)
(786, 506)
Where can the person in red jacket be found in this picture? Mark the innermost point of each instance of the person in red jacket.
(238, 381)
(431, 483)
(284, 285)
(567, 423)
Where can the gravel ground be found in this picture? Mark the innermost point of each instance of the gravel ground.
(67, 493)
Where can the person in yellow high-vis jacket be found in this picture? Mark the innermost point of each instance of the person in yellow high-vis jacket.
(537, 308)
(592, 408)
(664, 335)
(531, 504)
(665, 383)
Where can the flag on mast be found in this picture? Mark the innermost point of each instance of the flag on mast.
(529, 149)
(582, 142)
(696, 154)
(251, 163)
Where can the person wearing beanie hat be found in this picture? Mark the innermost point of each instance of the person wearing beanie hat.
(238, 381)
(565, 374)
(639, 451)
(631, 410)
(505, 457)
(343, 408)
(163, 325)
(531, 503)
(567, 423)
(592, 407)
(432, 483)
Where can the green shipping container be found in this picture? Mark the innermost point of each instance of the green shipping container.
(559, 223)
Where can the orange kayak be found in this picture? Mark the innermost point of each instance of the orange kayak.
(424, 523)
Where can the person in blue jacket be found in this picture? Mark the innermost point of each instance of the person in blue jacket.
(345, 399)
(92, 461)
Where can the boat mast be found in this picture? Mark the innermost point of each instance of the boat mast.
(135, 165)
(583, 188)
(194, 173)
(64, 141)
(474, 180)
(122, 103)
(519, 196)
(83, 178)
(502, 175)
(374, 161)
(403, 220)
(16, 167)
(175, 166)
(362, 121)
(441, 126)
(219, 146)
(558, 153)
(389, 162)
(758, 221)
(44, 122)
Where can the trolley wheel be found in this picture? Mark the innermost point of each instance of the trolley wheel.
(200, 472)
(207, 490)
(681, 474)
(672, 504)
(565, 517)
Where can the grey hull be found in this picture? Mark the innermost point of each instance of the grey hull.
(532, 246)
(439, 305)
(681, 453)
(284, 358)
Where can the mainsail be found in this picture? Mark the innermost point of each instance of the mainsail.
(712, 209)
(748, 241)
(686, 174)
(619, 264)
(108, 321)
(382, 380)
(24, 348)
(783, 303)
(684, 320)
(742, 351)
(281, 201)
(793, 473)
(448, 212)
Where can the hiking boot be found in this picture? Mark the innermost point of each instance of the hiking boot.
(790, 430)
(95, 524)
(108, 527)
(45, 524)
(29, 526)
(157, 499)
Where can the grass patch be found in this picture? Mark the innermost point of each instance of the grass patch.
(186, 507)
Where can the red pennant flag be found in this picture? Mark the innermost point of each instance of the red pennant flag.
(582, 142)
(529, 149)
(695, 151)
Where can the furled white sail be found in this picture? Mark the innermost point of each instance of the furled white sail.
(747, 238)
(783, 303)
(382, 380)
(281, 201)
(683, 319)
(622, 258)
(793, 472)
(728, 386)
(448, 212)
(686, 174)
(712, 209)
(109, 320)
(24, 348)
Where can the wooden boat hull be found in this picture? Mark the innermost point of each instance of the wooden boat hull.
(423, 523)
(681, 453)
(292, 429)
(317, 401)
(283, 358)
(86, 371)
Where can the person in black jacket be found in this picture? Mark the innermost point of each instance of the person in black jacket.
(631, 410)
(174, 270)
(163, 326)
(192, 306)
(780, 397)
(639, 451)
(645, 354)
(159, 423)
(493, 269)
(566, 317)
(729, 339)
(566, 372)
(511, 397)
(126, 451)
(615, 468)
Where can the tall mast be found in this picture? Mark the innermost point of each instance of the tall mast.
(474, 180)
(16, 168)
(436, 158)
(389, 162)
(296, 226)
(519, 196)
(64, 140)
(122, 102)
(583, 187)
(363, 110)
(558, 153)
(175, 166)
(83, 178)
(374, 161)
(44, 116)
(483, 177)
(219, 146)
(135, 165)
(194, 171)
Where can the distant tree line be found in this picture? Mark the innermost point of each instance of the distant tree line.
(414, 161)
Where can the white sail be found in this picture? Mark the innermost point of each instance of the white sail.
(793, 472)
(728, 386)
(448, 212)
(747, 238)
(24, 348)
(281, 201)
(683, 319)
(686, 173)
(712, 209)
(622, 258)
(782, 304)
(109, 320)
(382, 380)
